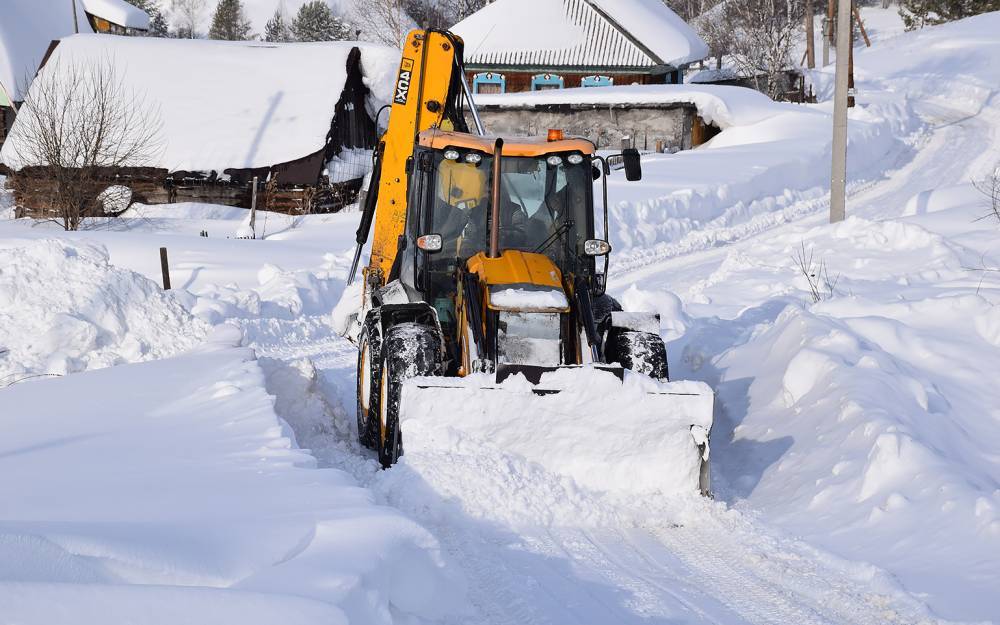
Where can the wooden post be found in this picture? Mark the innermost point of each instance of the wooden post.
(165, 268)
(829, 30)
(810, 35)
(253, 209)
(861, 25)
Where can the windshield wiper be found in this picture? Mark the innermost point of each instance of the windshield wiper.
(555, 236)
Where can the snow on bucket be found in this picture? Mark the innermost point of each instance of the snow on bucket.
(633, 437)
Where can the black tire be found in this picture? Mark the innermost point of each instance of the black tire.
(604, 305)
(369, 381)
(642, 352)
(410, 350)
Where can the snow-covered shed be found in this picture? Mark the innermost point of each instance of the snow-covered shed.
(301, 115)
(534, 45)
(28, 28)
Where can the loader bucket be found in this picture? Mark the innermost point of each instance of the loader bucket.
(629, 435)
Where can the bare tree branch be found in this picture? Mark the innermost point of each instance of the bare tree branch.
(80, 124)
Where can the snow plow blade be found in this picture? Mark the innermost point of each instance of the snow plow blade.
(608, 429)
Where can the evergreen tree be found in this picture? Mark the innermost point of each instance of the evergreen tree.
(157, 23)
(316, 22)
(920, 13)
(230, 22)
(277, 29)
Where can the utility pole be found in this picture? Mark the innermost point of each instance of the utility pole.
(810, 36)
(838, 178)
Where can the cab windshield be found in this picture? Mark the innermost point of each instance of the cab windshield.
(545, 205)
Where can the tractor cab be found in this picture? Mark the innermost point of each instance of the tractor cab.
(486, 216)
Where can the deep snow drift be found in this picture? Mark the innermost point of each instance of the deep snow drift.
(64, 308)
(177, 495)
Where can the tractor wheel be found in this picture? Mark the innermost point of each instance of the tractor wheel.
(410, 350)
(369, 382)
(642, 352)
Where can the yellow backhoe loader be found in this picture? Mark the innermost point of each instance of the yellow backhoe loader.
(485, 259)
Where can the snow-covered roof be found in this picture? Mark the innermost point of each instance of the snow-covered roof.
(579, 33)
(228, 104)
(720, 105)
(118, 12)
(27, 27)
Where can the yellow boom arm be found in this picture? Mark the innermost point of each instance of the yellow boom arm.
(422, 99)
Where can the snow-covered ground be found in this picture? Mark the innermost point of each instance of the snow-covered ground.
(854, 451)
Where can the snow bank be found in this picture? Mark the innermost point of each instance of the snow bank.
(64, 308)
(866, 422)
(187, 497)
(580, 433)
(214, 117)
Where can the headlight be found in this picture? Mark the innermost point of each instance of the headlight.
(575, 159)
(451, 154)
(430, 243)
(596, 247)
(554, 160)
(474, 158)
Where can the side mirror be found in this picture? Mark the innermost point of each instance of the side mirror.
(633, 164)
(430, 243)
(595, 172)
(596, 247)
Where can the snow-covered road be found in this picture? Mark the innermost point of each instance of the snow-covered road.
(855, 468)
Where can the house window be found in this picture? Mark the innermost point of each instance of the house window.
(541, 82)
(597, 81)
(489, 82)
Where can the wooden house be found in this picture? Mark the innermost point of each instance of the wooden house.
(298, 117)
(536, 45)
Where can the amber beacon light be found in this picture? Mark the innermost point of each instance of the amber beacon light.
(556, 134)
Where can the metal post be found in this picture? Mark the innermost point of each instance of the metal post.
(495, 215)
(470, 101)
(838, 178)
(253, 209)
(165, 268)
(76, 25)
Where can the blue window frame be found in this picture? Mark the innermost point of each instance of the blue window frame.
(541, 82)
(489, 82)
(597, 81)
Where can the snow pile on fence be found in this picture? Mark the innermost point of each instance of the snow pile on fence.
(64, 309)
(175, 494)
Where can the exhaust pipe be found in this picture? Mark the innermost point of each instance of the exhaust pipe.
(495, 209)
